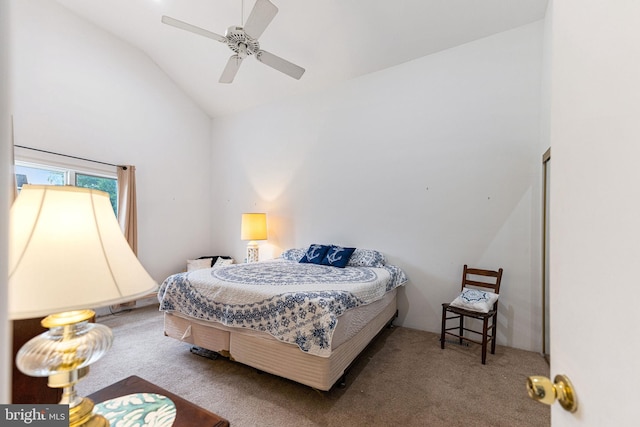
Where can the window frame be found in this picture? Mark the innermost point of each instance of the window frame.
(68, 165)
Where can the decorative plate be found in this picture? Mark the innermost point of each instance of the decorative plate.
(138, 410)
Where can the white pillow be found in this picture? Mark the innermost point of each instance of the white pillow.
(198, 264)
(221, 262)
(475, 300)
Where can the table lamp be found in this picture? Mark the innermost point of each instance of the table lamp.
(253, 227)
(67, 254)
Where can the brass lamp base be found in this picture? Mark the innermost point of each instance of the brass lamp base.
(82, 415)
(64, 354)
(80, 408)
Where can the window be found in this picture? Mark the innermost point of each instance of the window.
(108, 185)
(47, 174)
(39, 175)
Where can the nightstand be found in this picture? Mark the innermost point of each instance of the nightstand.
(187, 413)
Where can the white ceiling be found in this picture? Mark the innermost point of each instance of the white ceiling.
(334, 40)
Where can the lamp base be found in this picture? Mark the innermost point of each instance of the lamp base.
(82, 415)
(253, 254)
(63, 354)
(80, 408)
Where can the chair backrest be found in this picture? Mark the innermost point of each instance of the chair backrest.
(478, 277)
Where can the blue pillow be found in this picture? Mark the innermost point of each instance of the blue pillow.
(315, 254)
(337, 256)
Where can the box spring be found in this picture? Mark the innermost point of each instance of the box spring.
(262, 351)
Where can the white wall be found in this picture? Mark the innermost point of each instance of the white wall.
(81, 91)
(595, 208)
(435, 162)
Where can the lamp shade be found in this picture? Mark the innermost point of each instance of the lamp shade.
(254, 226)
(67, 252)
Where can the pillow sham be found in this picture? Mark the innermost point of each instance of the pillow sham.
(198, 264)
(221, 262)
(475, 300)
(293, 254)
(314, 254)
(366, 258)
(214, 258)
(337, 256)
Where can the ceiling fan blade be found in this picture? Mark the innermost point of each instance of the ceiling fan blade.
(188, 27)
(280, 64)
(260, 17)
(230, 71)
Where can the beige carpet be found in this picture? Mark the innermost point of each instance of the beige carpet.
(403, 378)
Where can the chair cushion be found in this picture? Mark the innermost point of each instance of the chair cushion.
(475, 300)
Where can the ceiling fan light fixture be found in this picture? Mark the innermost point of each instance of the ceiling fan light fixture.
(236, 37)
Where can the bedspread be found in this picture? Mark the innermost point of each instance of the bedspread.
(294, 302)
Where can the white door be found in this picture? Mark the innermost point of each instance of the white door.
(595, 208)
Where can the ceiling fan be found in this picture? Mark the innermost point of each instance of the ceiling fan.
(244, 41)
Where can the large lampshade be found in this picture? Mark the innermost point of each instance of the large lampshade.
(67, 252)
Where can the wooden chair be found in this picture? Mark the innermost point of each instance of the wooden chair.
(474, 278)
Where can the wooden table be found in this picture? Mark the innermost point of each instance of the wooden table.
(187, 413)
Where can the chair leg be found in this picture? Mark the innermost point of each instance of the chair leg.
(461, 329)
(484, 340)
(494, 329)
(444, 323)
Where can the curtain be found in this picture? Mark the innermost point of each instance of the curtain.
(127, 213)
(127, 208)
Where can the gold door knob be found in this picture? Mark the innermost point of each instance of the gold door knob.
(544, 391)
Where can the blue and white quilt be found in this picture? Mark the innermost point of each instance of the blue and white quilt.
(296, 303)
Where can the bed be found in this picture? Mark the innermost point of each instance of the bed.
(304, 321)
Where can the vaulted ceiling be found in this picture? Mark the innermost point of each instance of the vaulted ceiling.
(334, 40)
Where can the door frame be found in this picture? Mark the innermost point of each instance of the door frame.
(546, 158)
